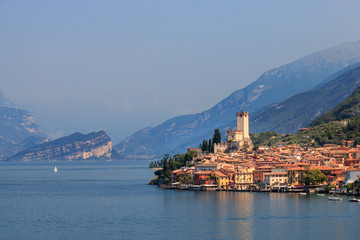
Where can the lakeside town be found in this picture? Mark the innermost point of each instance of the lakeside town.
(236, 166)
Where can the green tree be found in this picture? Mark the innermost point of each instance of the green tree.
(217, 136)
(171, 165)
(210, 146)
(184, 179)
(329, 187)
(190, 155)
(204, 146)
(314, 177)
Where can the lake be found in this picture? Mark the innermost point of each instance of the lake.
(110, 200)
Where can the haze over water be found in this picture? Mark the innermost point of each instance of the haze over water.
(112, 201)
(120, 66)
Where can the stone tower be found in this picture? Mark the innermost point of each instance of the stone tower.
(242, 124)
(239, 138)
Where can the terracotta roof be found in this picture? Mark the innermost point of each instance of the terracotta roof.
(296, 169)
(219, 174)
(321, 168)
(203, 172)
(276, 173)
(177, 170)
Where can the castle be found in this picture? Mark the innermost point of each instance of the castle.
(236, 139)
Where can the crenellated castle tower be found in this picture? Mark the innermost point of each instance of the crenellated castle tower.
(237, 139)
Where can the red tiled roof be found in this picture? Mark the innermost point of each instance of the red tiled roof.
(321, 168)
(203, 172)
(276, 173)
(296, 169)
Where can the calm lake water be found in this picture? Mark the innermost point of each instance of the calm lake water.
(112, 201)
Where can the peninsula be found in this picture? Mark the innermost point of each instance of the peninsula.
(238, 165)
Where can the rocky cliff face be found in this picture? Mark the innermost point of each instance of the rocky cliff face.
(18, 129)
(96, 145)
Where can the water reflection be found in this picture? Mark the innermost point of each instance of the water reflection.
(236, 215)
(112, 201)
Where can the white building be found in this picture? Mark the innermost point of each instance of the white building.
(275, 178)
(206, 167)
(351, 176)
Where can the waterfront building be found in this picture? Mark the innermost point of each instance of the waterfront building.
(296, 175)
(243, 177)
(185, 171)
(175, 173)
(275, 178)
(339, 177)
(241, 169)
(258, 173)
(351, 176)
(222, 180)
(203, 178)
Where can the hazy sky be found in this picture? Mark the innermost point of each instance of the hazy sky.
(124, 65)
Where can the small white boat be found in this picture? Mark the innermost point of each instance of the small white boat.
(353, 199)
(335, 198)
(302, 193)
(55, 169)
(319, 194)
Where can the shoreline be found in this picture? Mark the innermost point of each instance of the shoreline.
(204, 188)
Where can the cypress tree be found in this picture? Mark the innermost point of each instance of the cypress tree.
(217, 136)
(204, 146)
(165, 165)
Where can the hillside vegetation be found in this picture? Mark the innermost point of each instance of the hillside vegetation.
(326, 133)
(300, 110)
(350, 108)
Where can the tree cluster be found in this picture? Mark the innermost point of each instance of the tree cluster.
(184, 179)
(170, 164)
(156, 164)
(313, 177)
(327, 133)
(208, 145)
(354, 187)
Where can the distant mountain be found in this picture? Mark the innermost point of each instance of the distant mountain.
(5, 101)
(18, 129)
(327, 129)
(95, 145)
(350, 108)
(272, 87)
(301, 109)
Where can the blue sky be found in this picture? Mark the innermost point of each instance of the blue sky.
(124, 65)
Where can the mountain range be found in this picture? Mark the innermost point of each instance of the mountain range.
(282, 100)
(300, 110)
(94, 146)
(272, 87)
(22, 140)
(350, 108)
(18, 129)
